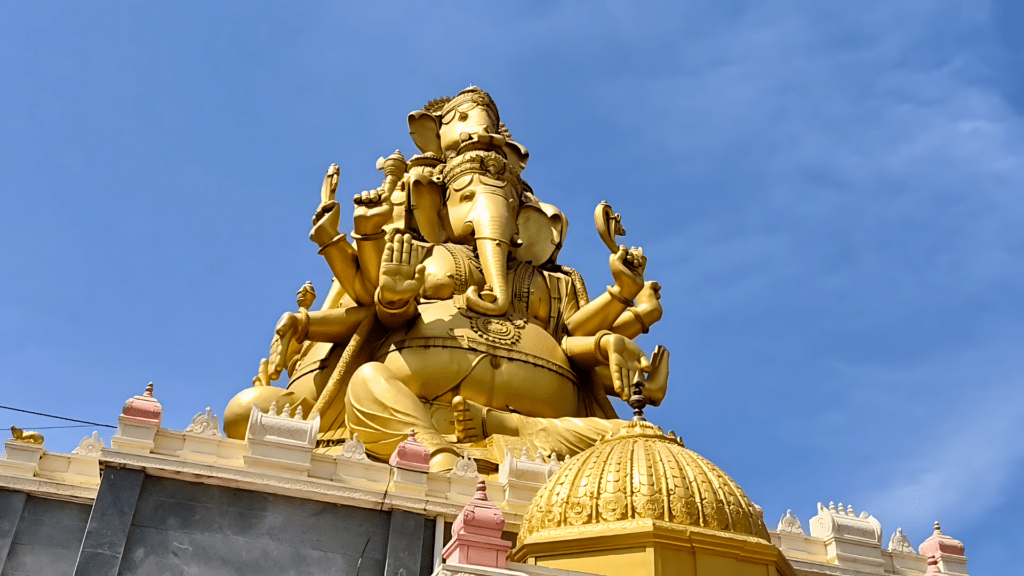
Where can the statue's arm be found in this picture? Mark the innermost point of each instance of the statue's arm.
(608, 353)
(637, 320)
(603, 312)
(372, 211)
(341, 257)
(599, 314)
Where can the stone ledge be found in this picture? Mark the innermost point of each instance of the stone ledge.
(338, 491)
(50, 488)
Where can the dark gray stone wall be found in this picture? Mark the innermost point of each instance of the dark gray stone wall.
(11, 505)
(145, 525)
(46, 536)
(185, 528)
(109, 522)
(405, 560)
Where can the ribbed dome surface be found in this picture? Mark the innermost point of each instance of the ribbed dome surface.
(640, 473)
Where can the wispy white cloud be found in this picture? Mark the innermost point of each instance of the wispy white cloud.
(966, 457)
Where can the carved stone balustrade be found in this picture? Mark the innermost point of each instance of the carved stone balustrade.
(279, 441)
(523, 475)
(851, 539)
(843, 542)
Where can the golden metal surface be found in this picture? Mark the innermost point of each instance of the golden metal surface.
(640, 473)
(449, 313)
(639, 502)
(26, 436)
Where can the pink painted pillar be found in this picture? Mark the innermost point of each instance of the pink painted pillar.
(144, 409)
(945, 555)
(476, 534)
(411, 455)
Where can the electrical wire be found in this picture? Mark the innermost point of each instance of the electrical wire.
(55, 427)
(57, 417)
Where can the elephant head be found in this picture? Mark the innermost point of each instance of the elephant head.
(446, 126)
(482, 191)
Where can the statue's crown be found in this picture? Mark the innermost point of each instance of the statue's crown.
(440, 106)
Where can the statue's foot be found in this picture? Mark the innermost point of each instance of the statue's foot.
(469, 420)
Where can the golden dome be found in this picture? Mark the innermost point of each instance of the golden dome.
(640, 473)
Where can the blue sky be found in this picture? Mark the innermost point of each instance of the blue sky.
(829, 194)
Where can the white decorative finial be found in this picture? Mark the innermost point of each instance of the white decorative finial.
(298, 412)
(273, 408)
(90, 446)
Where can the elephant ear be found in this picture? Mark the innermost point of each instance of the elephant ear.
(516, 152)
(424, 127)
(542, 230)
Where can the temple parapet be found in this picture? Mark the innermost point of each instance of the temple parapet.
(841, 539)
(30, 468)
(276, 456)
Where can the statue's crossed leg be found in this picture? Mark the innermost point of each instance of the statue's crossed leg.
(382, 410)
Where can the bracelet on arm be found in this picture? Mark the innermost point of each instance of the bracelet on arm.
(335, 240)
(304, 331)
(368, 237)
(585, 350)
(597, 345)
(639, 318)
(619, 298)
(393, 317)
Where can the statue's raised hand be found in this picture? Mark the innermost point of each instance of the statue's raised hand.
(628, 267)
(401, 276)
(286, 334)
(625, 359)
(372, 211)
(656, 382)
(328, 214)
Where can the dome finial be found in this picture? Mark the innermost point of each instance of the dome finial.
(637, 401)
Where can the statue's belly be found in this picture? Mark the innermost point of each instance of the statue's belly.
(491, 361)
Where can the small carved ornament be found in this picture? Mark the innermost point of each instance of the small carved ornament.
(90, 446)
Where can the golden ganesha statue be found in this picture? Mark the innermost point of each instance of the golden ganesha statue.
(450, 316)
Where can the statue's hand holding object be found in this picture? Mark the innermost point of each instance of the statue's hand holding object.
(648, 301)
(627, 266)
(372, 211)
(328, 213)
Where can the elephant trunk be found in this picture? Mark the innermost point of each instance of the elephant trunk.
(493, 219)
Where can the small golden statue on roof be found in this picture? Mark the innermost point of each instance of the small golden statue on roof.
(450, 315)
